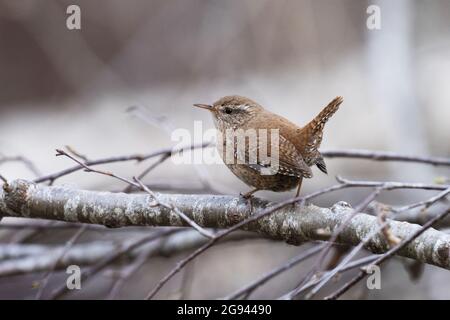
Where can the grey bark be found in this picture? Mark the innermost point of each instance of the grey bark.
(294, 225)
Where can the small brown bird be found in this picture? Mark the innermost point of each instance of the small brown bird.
(297, 146)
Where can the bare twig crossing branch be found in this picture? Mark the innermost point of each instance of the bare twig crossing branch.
(294, 225)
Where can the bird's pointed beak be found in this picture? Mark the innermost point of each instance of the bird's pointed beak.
(204, 106)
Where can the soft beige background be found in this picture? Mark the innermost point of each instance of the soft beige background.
(61, 87)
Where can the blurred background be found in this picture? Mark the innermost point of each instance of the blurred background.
(63, 87)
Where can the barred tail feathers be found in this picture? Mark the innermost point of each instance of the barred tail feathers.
(319, 121)
(313, 130)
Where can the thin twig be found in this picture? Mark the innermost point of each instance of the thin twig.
(164, 123)
(140, 185)
(425, 203)
(45, 226)
(135, 157)
(212, 211)
(333, 273)
(391, 185)
(379, 186)
(163, 158)
(383, 227)
(319, 262)
(27, 162)
(387, 255)
(330, 274)
(127, 272)
(17, 259)
(201, 230)
(69, 244)
(385, 156)
(77, 154)
(58, 292)
(218, 236)
(266, 277)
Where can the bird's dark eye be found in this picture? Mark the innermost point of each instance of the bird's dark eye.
(228, 110)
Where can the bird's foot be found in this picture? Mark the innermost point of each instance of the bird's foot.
(247, 195)
(248, 198)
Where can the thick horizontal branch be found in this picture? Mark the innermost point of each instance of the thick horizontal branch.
(293, 224)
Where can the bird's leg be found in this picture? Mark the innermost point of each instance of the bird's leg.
(298, 191)
(299, 187)
(248, 196)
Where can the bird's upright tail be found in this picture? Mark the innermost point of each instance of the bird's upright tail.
(312, 132)
(319, 121)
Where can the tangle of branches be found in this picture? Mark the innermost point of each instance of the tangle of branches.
(193, 223)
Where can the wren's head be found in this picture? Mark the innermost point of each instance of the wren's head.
(232, 111)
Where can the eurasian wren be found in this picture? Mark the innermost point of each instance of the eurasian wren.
(297, 146)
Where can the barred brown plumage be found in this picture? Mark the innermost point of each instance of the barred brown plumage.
(297, 146)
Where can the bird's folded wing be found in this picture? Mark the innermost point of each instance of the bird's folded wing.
(285, 159)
